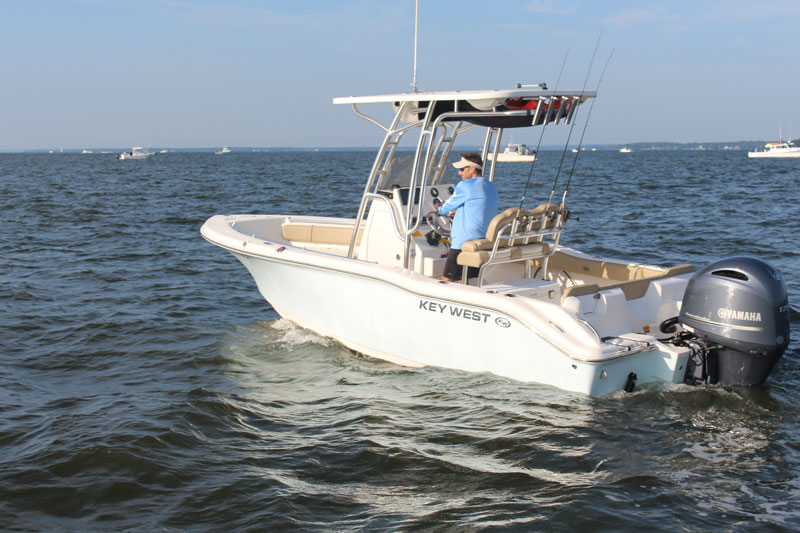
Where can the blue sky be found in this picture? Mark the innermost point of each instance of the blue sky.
(201, 73)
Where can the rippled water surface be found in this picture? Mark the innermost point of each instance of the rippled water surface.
(145, 385)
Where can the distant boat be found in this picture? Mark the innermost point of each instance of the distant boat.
(85, 151)
(778, 149)
(514, 153)
(625, 150)
(225, 150)
(137, 152)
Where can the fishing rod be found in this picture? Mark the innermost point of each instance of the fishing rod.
(572, 127)
(541, 135)
(588, 115)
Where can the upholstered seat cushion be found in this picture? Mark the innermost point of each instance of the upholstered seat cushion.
(476, 259)
(634, 288)
(534, 250)
(477, 245)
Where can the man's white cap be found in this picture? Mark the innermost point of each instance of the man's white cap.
(463, 163)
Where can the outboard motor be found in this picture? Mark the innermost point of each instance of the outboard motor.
(736, 312)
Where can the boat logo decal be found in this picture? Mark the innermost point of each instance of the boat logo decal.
(723, 324)
(733, 314)
(454, 310)
(502, 322)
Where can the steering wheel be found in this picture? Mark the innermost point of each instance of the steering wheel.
(441, 224)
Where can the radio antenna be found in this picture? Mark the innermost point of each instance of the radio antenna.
(416, 27)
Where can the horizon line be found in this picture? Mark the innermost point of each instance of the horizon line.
(113, 149)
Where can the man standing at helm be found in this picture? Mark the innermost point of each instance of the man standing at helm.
(474, 203)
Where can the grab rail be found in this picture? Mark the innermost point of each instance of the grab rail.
(395, 223)
(511, 237)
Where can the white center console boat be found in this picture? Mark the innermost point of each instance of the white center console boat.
(538, 311)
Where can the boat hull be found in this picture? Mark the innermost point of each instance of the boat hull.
(389, 322)
(408, 319)
(512, 158)
(774, 154)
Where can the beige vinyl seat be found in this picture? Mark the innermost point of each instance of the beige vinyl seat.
(507, 242)
(632, 280)
(308, 232)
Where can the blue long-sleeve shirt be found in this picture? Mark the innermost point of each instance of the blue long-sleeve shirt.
(476, 202)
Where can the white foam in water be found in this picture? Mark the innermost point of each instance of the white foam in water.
(294, 335)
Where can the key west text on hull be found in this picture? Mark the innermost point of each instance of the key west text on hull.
(537, 312)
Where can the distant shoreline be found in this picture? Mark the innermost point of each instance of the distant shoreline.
(635, 146)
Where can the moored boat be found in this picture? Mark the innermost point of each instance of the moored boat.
(776, 149)
(137, 152)
(538, 311)
(514, 153)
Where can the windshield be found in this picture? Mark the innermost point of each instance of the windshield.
(399, 172)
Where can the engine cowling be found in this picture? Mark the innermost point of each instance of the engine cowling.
(739, 308)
